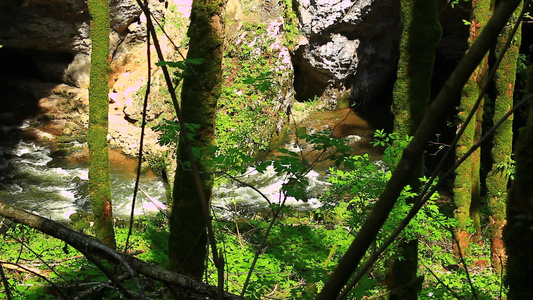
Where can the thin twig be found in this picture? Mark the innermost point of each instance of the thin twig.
(114, 278)
(7, 290)
(248, 185)
(38, 256)
(141, 142)
(463, 262)
(45, 278)
(276, 215)
(441, 282)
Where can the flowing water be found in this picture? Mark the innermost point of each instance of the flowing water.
(35, 181)
(31, 178)
(55, 188)
(239, 198)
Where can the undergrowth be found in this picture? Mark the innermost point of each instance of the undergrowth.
(298, 256)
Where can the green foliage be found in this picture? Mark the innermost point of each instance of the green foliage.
(249, 106)
(291, 266)
(439, 257)
(168, 132)
(303, 247)
(453, 3)
(183, 67)
(64, 265)
(362, 184)
(394, 146)
(291, 29)
(262, 82)
(358, 187)
(507, 168)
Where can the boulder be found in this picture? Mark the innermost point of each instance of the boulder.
(346, 45)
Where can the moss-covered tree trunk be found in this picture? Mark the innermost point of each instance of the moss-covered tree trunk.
(475, 203)
(466, 185)
(518, 233)
(420, 34)
(99, 178)
(200, 92)
(498, 177)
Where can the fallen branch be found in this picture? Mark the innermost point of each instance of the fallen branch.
(87, 244)
(23, 268)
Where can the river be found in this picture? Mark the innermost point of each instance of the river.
(33, 178)
(54, 187)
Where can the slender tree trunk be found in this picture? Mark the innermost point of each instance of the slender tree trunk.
(200, 92)
(498, 178)
(475, 203)
(420, 34)
(99, 178)
(466, 186)
(517, 233)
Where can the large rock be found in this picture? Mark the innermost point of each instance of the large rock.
(347, 45)
(46, 25)
(46, 30)
(46, 53)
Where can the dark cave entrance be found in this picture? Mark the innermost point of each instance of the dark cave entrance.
(18, 102)
(26, 76)
(308, 81)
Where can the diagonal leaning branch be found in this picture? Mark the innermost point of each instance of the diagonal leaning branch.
(436, 114)
(87, 244)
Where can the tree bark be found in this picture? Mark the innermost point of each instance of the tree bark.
(518, 235)
(99, 178)
(498, 177)
(200, 92)
(420, 34)
(466, 185)
(436, 113)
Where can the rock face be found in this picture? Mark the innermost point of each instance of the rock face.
(57, 26)
(54, 34)
(46, 53)
(347, 46)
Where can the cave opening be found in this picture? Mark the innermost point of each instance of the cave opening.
(16, 64)
(27, 75)
(309, 83)
(18, 101)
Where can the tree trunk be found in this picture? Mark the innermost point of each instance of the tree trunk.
(498, 178)
(200, 92)
(466, 185)
(475, 203)
(99, 178)
(436, 113)
(517, 233)
(420, 34)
